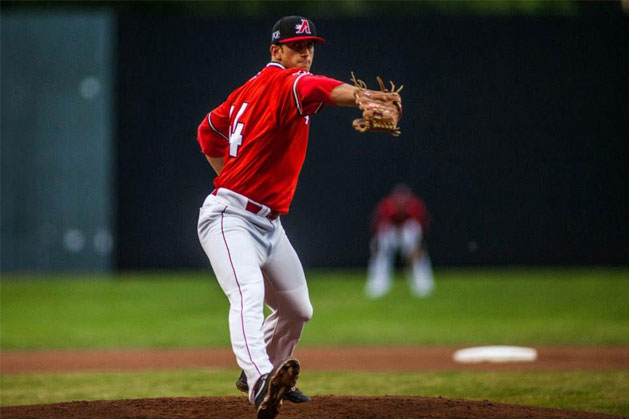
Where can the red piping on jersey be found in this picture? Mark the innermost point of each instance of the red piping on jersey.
(239, 291)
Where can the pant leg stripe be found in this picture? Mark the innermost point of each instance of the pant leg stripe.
(239, 291)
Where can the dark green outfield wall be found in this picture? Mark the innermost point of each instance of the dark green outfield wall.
(57, 155)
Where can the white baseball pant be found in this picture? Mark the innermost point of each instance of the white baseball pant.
(406, 239)
(255, 264)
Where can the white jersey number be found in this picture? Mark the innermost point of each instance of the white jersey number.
(236, 138)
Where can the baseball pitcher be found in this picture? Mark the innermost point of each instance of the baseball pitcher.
(256, 142)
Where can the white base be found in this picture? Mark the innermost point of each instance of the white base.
(495, 354)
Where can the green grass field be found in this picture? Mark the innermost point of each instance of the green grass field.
(526, 306)
(597, 391)
(174, 310)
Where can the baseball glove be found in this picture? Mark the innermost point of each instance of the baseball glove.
(381, 109)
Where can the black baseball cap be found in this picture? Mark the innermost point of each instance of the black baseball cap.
(294, 28)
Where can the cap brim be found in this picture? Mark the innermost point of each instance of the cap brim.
(302, 38)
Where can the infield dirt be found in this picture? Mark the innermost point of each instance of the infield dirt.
(370, 359)
(312, 358)
(327, 407)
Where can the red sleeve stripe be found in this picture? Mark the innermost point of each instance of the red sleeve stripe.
(295, 95)
(213, 128)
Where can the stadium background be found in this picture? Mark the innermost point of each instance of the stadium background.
(515, 130)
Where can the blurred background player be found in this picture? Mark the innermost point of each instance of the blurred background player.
(399, 225)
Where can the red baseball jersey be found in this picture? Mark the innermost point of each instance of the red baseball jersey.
(395, 210)
(261, 131)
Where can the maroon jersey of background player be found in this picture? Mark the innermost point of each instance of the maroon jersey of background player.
(398, 207)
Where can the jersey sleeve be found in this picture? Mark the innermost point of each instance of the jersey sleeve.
(212, 133)
(311, 92)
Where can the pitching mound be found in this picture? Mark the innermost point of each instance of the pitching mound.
(321, 407)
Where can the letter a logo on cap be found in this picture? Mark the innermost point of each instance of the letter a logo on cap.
(303, 28)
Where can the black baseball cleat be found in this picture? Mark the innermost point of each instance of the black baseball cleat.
(271, 388)
(241, 383)
(294, 394)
